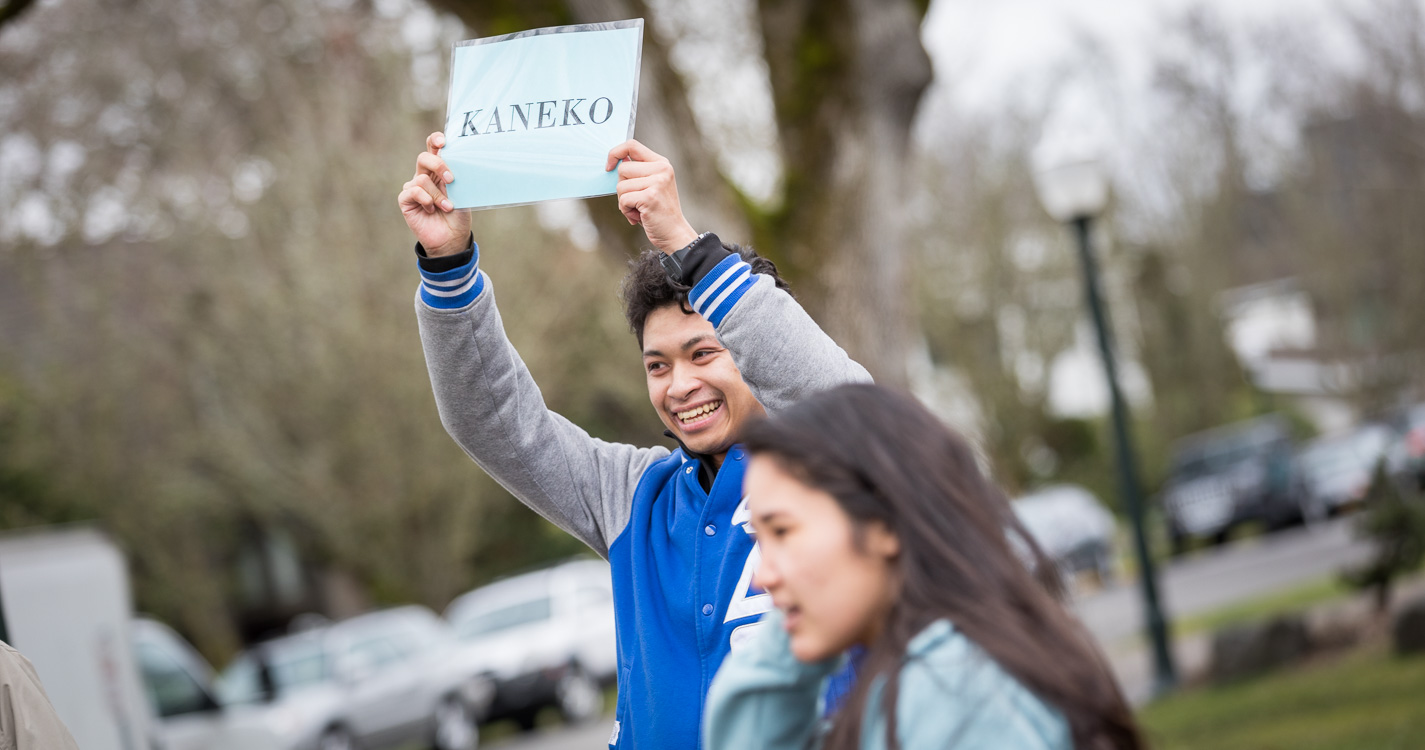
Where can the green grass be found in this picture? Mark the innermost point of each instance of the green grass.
(1370, 699)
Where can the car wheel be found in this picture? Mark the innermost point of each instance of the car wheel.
(578, 696)
(526, 718)
(336, 738)
(455, 727)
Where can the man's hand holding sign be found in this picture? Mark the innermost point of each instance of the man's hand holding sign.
(441, 228)
(647, 194)
(538, 116)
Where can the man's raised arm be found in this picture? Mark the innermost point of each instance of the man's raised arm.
(782, 353)
(487, 399)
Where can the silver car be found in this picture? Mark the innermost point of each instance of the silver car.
(1230, 475)
(1337, 470)
(379, 680)
(546, 638)
(1072, 527)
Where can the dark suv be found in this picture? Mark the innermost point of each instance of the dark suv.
(1229, 475)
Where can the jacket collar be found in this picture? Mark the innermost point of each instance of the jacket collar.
(707, 468)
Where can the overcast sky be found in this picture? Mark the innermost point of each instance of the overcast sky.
(984, 47)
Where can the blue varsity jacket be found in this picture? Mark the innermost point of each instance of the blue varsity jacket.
(681, 560)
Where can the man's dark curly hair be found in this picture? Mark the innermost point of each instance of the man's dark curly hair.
(647, 286)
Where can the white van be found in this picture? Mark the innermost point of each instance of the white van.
(65, 605)
(64, 599)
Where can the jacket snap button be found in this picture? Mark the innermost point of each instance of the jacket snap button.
(710, 530)
(707, 609)
(690, 470)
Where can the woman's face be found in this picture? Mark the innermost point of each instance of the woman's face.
(834, 593)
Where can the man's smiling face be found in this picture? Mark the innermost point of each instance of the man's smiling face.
(693, 382)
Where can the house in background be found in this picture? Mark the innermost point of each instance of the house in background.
(1272, 328)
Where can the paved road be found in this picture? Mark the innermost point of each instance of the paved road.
(1196, 585)
(1227, 576)
(1209, 582)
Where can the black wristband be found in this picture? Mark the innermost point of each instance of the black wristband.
(445, 263)
(697, 259)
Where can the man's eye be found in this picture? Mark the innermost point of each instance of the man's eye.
(703, 354)
(654, 367)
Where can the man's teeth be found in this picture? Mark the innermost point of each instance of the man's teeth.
(691, 414)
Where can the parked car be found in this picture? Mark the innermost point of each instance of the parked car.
(1336, 471)
(380, 680)
(179, 683)
(547, 638)
(1072, 527)
(1230, 475)
(1407, 455)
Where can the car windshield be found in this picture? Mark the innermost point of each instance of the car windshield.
(1215, 460)
(481, 623)
(292, 666)
(1060, 518)
(1223, 453)
(1358, 452)
(407, 631)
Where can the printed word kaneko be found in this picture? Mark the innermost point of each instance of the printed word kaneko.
(537, 115)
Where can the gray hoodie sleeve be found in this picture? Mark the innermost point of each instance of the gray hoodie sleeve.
(783, 354)
(492, 407)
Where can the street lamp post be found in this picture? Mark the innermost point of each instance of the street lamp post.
(1074, 194)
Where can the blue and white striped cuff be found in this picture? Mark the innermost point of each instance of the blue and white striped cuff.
(453, 289)
(721, 288)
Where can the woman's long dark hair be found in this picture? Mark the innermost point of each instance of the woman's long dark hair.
(885, 458)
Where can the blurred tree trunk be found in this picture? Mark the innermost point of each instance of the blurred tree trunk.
(846, 78)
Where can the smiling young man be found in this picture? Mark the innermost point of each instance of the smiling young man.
(722, 342)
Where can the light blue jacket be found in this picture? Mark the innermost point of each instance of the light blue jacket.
(952, 695)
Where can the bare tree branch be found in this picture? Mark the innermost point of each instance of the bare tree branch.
(11, 10)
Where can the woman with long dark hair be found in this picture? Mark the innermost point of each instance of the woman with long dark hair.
(877, 528)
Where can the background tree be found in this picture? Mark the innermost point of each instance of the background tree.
(11, 10)
(1355, 214)
(1203, 246)
(998, 287)
(1394, 522)
(206, 308)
